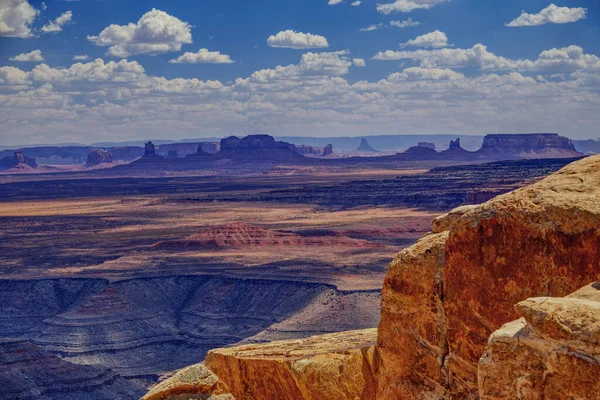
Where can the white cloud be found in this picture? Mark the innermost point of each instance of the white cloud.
(32, 56)
(356, 3)
(297, 40)
(202, 56)
(373, 27)
(550, 15)
(58, 23)
(82, 57)
(16, 17)
(418, 73)
(358, 62)
(13, 76)
(407, 5)
(334, 2)
(431, 39)
(404, 24)
(156, 32)
(554, 60)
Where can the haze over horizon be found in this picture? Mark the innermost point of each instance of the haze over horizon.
(107, 71)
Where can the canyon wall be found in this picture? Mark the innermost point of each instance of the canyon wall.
(462, 282)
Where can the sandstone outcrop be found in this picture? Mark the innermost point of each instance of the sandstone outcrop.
(192, 383)
(98, 157)
(335, 366)
(552, 352)
(541, 240)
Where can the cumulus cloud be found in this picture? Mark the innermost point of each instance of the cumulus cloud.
(297, 40)
(81, 57)
(32, 56)
(58, 23)
(418, 73)
(356, 3)
(358, 62)
(404, 24)
(373, 27)
(569, 58)
(16, 17)
(550, 15)
(407, 5)
(156, 32)
(334, 2)
(202, 56)
(431, 39)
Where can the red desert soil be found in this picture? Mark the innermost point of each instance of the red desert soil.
(241, 234)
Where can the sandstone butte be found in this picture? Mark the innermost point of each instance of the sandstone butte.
(444, 296)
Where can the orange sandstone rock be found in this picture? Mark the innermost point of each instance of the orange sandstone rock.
(553, 352)
(541, 240)
(336, 366)
(195, 382)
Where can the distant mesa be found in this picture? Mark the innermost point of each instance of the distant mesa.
(257, 148)
(427, 145)
(241, 234)
(314, 151)
(534, 145)
(18, 162)
(365, 147)
(98, 157)
(200, 152)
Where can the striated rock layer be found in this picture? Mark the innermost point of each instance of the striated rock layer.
(553, 352)
(443, 297)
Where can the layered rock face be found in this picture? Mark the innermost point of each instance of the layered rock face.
(98, 157)
(443, 297)
(27, 372)
(552, 352)
(537, 145)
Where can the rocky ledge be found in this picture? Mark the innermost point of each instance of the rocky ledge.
(336, 366)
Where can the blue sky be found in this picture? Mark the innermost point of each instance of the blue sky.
(454, 67)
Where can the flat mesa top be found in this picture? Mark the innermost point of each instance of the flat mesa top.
(341, 342)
